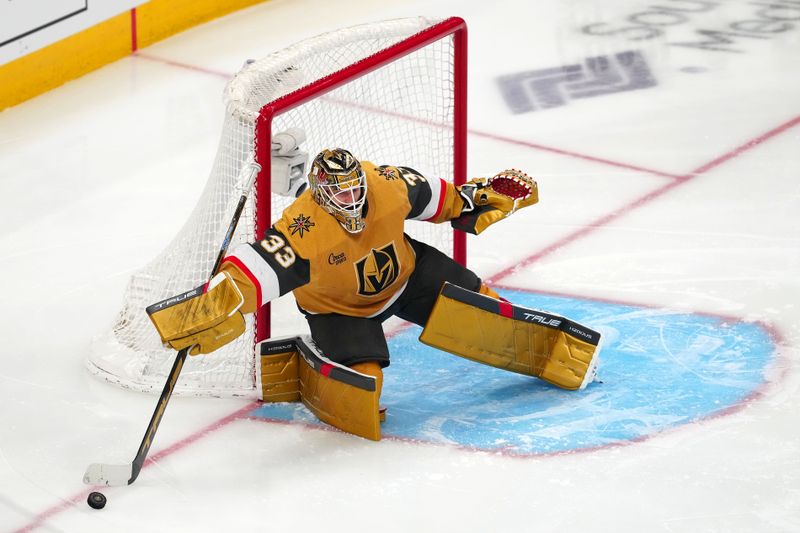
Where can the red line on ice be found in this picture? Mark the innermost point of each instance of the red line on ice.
(195, 68)
(477, 133)
(576, 155)
(79, 498)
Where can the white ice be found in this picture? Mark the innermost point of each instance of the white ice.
(97, 175)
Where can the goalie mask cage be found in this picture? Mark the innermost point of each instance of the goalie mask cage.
(392, 92)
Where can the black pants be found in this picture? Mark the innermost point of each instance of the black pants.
(348, 340)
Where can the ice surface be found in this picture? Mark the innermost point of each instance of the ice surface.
(669, 213)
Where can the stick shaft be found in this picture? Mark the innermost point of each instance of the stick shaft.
(180, 359)
(155, 420)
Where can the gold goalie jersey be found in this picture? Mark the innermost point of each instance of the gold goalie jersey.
(331, 270)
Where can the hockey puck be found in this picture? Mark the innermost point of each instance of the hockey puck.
(96, 500)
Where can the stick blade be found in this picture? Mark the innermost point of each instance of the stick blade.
(110, 475)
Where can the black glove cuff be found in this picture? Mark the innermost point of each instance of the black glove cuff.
(467, 192)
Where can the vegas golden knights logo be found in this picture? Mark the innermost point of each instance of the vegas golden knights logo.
(377, 270)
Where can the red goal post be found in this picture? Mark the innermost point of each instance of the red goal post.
(392, 92)
(454, 26)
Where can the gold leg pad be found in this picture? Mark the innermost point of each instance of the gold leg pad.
(294, 369)
(348, 408)
(510, 337)
(569, 361)
(280, 381)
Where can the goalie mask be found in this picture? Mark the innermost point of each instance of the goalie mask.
(339, 186)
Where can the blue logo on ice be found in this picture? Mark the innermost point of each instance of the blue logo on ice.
(659, 369)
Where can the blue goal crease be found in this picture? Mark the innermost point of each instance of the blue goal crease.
(659, 369)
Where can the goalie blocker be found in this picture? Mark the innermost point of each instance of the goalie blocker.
(497, 333)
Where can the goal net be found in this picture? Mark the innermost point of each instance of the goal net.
(392, 92)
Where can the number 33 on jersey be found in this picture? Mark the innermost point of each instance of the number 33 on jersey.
(332, 271)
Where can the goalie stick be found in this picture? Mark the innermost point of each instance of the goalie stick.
(117, 475)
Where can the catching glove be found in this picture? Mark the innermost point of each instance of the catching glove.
(288, 163)
(205, 318)
(488, 200)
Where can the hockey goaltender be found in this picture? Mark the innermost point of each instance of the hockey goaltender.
(340, 247)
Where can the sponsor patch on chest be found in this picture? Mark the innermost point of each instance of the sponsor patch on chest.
(336, 259)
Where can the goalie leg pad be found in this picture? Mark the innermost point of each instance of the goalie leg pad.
(338, 395)
(514, 338)
(280, 381)
(373, 368)
(572, 363)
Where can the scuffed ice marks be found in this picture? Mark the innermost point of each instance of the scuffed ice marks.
(660, 369)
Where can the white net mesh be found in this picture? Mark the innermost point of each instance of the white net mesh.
(400, 114)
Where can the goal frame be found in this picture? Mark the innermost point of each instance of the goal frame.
(454, 26)
(394, 89)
